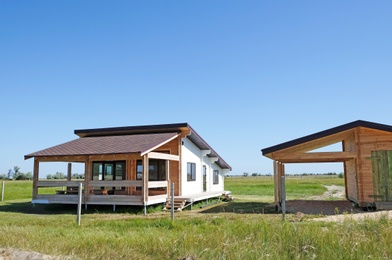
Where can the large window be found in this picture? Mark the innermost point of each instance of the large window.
(216, 177)
(109, 171)
(191, 171)
(156, 170)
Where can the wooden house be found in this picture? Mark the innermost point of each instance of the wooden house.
(134, 166)
(366, 155)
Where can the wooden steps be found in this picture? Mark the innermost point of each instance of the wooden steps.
(179, 204)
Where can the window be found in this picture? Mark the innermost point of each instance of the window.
(156, 170)
(216, 177)
(109, 171)
(191, 171)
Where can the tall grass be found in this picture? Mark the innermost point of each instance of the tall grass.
(228, 236)
(202, 233)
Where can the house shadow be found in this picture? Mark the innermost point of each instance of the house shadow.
(242, 208)
(27, 207)
(311, 207)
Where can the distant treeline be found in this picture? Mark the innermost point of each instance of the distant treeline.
(16, 174)
(246, 174)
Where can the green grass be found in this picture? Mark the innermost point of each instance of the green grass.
(237, 230)
(203, 236)
(261, 188)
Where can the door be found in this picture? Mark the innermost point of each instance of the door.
(382, 175)
(204, 178)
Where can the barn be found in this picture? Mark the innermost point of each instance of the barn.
(366, 155)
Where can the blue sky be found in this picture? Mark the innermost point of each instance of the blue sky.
(244, 74)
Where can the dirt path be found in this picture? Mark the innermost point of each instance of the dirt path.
(333, 192)
(13, 254)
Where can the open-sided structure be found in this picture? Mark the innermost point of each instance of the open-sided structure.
(366, 155)
(134, 166)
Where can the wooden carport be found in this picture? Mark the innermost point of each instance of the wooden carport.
(359, 139)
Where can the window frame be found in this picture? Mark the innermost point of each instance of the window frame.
(102, 172)
(191, 171)
(160, 169)
(215, 175)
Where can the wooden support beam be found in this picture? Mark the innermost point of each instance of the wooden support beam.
(163, 156)
(275, 165)
(69, 171)
(145, 178)
(87, 177)
(168, 179)
(178, 186)
(35, 177)
(316, 157)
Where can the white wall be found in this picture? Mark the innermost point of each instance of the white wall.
(192, 154)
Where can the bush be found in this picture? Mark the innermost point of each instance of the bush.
(20, 176)
(3, 176)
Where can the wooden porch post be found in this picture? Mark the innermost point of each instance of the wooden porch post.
(145, 179)
(35, 177)
(276, 183)
(179, 184)
(168, 189)
(278, 173)
(87, 177)
(69, 172)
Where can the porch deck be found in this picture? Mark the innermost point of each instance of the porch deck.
(200, 196)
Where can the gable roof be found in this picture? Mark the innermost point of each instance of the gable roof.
(128, 139)
(331, 131)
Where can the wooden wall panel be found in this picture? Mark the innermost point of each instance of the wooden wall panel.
(173, 148)
(349, 145)
(371, 140)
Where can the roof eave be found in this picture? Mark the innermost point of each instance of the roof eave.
(334, 130)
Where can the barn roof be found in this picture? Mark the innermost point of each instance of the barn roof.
(328, 132)
(128, 139)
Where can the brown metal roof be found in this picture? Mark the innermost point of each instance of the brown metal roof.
(107, 145)
(149, 129)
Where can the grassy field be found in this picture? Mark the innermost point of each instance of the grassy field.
(261, 188)
(202, 233)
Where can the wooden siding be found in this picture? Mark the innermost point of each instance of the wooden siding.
(370, 140)
(357, 144)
